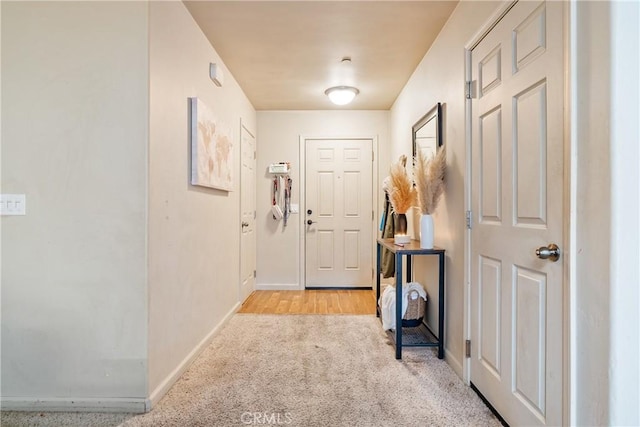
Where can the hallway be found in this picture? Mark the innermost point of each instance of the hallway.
(303, 370)
(311, 301)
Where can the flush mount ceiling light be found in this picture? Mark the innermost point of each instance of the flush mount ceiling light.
(341, 95)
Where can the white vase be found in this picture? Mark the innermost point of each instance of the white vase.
(426, 232)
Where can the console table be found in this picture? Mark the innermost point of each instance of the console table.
(409, 250)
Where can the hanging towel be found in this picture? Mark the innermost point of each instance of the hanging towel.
(388, 308)
(387, 303)
(388, 264)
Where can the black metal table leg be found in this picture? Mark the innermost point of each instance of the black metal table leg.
(410, 250)
(378, 257)
(441, 307)
(398, 306)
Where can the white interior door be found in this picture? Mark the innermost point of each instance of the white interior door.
(517, 206)
(247, 210)
(338, 197)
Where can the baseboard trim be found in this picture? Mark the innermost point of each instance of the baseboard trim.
(296, 287)
(125, 404)
(170, 380)
(489, 405)
(70, 404)
(453, 362)
(278, 287)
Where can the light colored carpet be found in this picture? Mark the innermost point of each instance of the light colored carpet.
(301, 370)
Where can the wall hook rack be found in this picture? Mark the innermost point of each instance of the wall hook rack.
(281, 168)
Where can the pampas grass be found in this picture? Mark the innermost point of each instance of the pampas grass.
(402, 195)
(429, 177)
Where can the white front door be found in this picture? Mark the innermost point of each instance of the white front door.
(247, 211)
(517, 207)
(338, 195)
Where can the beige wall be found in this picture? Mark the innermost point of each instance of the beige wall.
(624, 358)
(440, 78)
(193, 231)
(108, 200)
(74, 140)
(593, 182)
(604, 324)
(278, 140)
(605, 278)
(121, 270)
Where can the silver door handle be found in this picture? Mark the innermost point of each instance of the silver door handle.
(551, 252)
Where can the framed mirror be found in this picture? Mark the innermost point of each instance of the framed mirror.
(427, 136)
(427, 132)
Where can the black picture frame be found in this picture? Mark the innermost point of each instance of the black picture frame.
(433, 116)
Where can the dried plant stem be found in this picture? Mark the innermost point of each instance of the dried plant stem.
(429, 177)
(402, 194)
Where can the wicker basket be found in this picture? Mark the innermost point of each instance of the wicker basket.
(415, 310)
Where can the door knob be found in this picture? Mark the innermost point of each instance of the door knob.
(245, 224)
(309, 211)
(309, 222)
(551, 252)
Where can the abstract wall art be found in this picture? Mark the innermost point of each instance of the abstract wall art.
(211, 149)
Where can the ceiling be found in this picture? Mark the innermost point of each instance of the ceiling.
(285, 54)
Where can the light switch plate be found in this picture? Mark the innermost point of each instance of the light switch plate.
(295, 208)
(13, 204)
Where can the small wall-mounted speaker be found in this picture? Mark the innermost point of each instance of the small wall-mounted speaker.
(215, 72)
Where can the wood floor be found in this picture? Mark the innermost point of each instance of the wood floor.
(311, 302)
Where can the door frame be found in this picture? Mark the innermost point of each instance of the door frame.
(240, 248)
(569, 201)
(375, 197)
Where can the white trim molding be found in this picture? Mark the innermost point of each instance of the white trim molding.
(569, 184)
(277, 287)
(70, 404)
(374, 196)
(168, 382)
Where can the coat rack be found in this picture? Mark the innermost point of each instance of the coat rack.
(281, 191)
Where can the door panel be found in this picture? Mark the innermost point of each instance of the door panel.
(517, 184)
(490, 339)
(529, 38)
(247, 209)
(490, 70)
(529, 337)
(325, 200)
(352, 186)
(352, 249)
(490, 146)
(530, 148)
(324, 250)
(338, 192)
